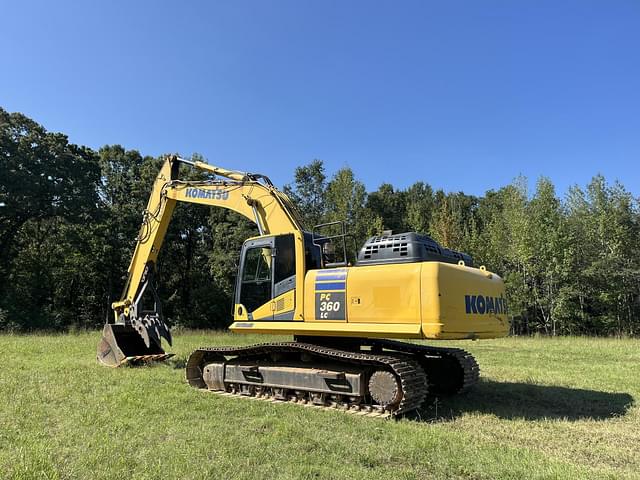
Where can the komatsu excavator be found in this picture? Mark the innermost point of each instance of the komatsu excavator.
(342, 317)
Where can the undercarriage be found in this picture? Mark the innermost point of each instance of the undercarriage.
(363, 376)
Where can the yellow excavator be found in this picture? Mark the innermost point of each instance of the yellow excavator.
(345, 319)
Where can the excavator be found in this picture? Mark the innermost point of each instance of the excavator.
(347, 319)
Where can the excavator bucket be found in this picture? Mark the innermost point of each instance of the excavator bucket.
(123, 345)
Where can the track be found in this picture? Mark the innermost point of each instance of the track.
(419, 371)
(408, 373)
(450, 371)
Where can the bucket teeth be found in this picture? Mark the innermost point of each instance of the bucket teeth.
(139, 359)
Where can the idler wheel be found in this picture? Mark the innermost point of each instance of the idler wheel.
(384, 388)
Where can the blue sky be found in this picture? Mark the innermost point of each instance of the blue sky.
(463, 95)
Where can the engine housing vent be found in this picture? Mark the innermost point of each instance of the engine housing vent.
(407, 248)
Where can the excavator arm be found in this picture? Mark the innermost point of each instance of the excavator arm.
(134, 333)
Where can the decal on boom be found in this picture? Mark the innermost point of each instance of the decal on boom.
(215, 193)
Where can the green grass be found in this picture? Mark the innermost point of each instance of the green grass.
(545, 408)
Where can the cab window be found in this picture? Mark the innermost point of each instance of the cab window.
(256, 278)
(285, 258)
(257, 265)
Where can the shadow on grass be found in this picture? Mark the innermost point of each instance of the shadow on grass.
(178, 362)
(529, 402)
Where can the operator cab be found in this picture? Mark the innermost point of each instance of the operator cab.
(268, 269)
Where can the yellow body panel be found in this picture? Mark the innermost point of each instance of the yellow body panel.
(447, 291)
(430, 300)
(384, 294)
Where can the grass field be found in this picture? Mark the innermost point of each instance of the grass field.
(545, 408)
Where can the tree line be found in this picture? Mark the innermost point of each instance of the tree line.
(69, 216)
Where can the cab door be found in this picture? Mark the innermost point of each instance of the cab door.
(265, 288)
